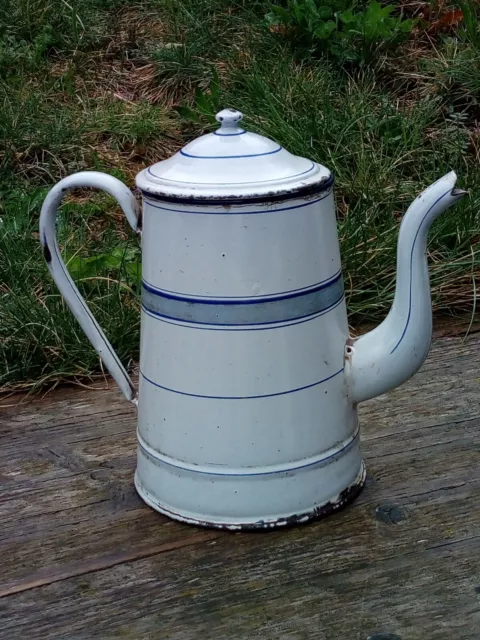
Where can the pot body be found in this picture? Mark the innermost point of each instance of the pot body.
(244, 417)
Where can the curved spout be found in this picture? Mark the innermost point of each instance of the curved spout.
(391, 353)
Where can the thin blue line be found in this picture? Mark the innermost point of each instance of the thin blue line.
(172, 295)
(229, 135)
(230, 327)
(295, 175)
(266, 296)
(267, 395)
(239, 211)
(263, 473)
(248, 155)
(280, 293)
(411, 261)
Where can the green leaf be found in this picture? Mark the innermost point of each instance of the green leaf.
(124, 254)
(324, 30)
(311, 8)
(203, 102)
(348, 17)
(279, 12)
(215, 87)
(324, 13)
(188, 114)
(407, 25)
(110, 261)
(299, 11)
(134, 272)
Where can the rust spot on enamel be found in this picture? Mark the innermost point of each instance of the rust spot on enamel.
(47, 253)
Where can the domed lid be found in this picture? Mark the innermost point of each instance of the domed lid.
(233, 165)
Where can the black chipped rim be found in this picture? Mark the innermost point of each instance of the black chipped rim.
(266, 198)
(348, 495)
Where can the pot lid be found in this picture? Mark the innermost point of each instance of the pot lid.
(232, 164)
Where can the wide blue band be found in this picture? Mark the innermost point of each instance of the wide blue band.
(244, 311)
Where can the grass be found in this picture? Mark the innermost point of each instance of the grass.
(97, 86)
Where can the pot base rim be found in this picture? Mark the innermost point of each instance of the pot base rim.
(346, 497)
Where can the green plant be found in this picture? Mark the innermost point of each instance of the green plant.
(207, 103)
(117, 259)
(39, 338)
(345, 30)
(93, 91)
(471, 21)
(31, 30)
(454, 75)
(202, 34)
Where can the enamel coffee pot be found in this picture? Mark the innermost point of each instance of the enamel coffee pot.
(249, 381)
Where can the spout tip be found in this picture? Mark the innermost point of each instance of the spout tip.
(458, 193)
(451, 179)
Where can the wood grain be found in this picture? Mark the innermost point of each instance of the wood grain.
(83, 557)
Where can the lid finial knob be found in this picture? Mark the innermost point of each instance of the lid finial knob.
(229, 118)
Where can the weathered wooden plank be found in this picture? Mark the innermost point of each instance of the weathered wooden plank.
(89, 532)
(115, 516)
(293, 584)
(57, 471)
(68, 413)
(68, 501)
(404, 558)
(87, 565)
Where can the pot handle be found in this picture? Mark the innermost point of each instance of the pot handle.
(61, 277)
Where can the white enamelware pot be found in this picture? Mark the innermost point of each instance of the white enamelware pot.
(249, 381)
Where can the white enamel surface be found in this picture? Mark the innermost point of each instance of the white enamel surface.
(230, 369)
(249, 362)
(232, 502)
(230, 162)
(266, 405)
(200, 251)
(238, 158)
(390, 354)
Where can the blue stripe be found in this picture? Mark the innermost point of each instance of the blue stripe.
(248, 155)
(223, 298)
(411, 262)
(252, 311)
(321, 461)
(229, 135)
(279, 325)
(239, 211)
(267, 395)
(295, 175)
(284, 295)
(265, 296)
